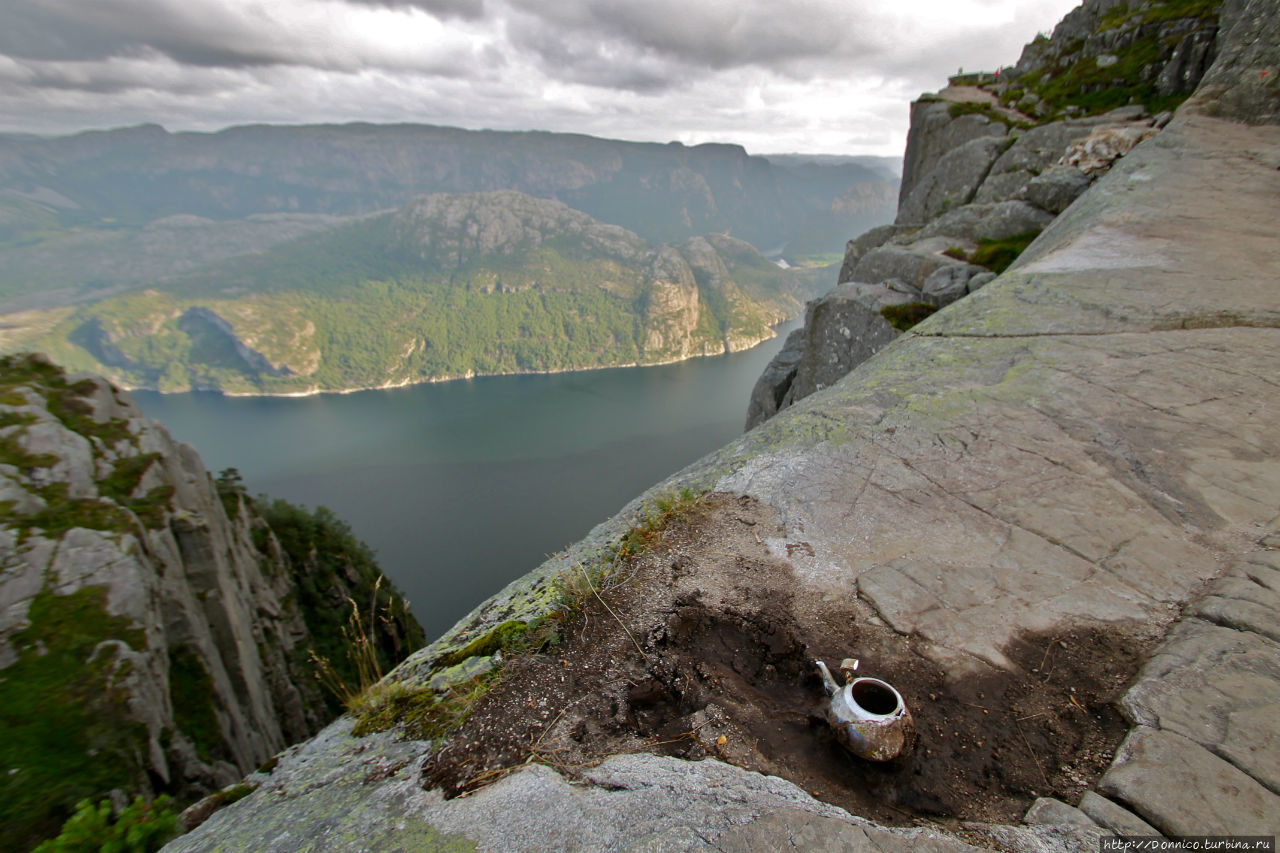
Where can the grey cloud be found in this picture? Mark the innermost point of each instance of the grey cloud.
(207, 34)
(717, 34)
(211, 34)
(469, 10)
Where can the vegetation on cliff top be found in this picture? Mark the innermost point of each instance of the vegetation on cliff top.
(1086, 82)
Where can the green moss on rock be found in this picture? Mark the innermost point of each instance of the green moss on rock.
(68, 734)
(903, 317)
(193, 697)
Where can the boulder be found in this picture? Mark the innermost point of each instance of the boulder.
(952, 182)
(975, 222)
(949, 283)
(1035, 150)
(981, 280)
(859, 246)
(1097, 151)
(1116, 818)
(841, 330)
(934, 134)
(910, 265)
(774, 382)
(1047, 811)
(1003, 186)
(1057, 188)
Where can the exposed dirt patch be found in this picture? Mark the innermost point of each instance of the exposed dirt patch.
(729, 638)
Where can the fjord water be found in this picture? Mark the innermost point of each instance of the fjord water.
(461, 487)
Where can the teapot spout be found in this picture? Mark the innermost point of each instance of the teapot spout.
(828, 683)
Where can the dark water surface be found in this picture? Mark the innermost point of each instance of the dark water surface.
(464, 486)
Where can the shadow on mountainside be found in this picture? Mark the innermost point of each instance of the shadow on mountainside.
(717, 660)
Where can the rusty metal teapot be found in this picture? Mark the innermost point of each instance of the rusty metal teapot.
(868, 716)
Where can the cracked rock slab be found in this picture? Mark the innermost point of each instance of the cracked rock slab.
(1219, 688)
(1183, 789)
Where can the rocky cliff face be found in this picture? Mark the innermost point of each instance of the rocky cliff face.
(981, 178)
(1047, 514)
(152, 633)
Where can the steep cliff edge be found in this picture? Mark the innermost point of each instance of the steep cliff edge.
(153, 633)
(1047, 513)
(988, 167)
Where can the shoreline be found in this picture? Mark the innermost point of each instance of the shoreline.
(390, 386)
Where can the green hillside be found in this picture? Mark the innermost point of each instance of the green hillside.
(449, 286)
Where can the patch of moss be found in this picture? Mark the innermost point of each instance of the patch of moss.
(193, 698)
(68, 733)
(501, 637)
(997, 255)
(419, 712)
(903, 317)
(234, 794)
(654, 518)
(123, 481)
(62, 513)
(65, 401)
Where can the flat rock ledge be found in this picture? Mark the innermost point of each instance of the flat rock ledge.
(1089, 440)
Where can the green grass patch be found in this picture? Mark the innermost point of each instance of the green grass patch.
(997, 255)
(655, 517)
(68, 732)
(903, 317)
(193, 697)
(419, 712)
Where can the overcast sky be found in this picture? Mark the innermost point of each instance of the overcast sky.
(831, 76)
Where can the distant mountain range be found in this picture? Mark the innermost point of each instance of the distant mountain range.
(130, 177)
(230, 260)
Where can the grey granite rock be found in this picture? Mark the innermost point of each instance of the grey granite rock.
(842, 329)
(1057, 188)
(952, 182)
(909, 265)
(775, 380)
(1181, 788)
(949, 283)
(864, 243)
(1048, 811)
(1036, 149)
(1116, 818)
(816, 834)
(981, 280)
(1243, 83)
(1246, 597)
(933, 134)
(1003, 186)
(996, 221)
(1218, 687)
